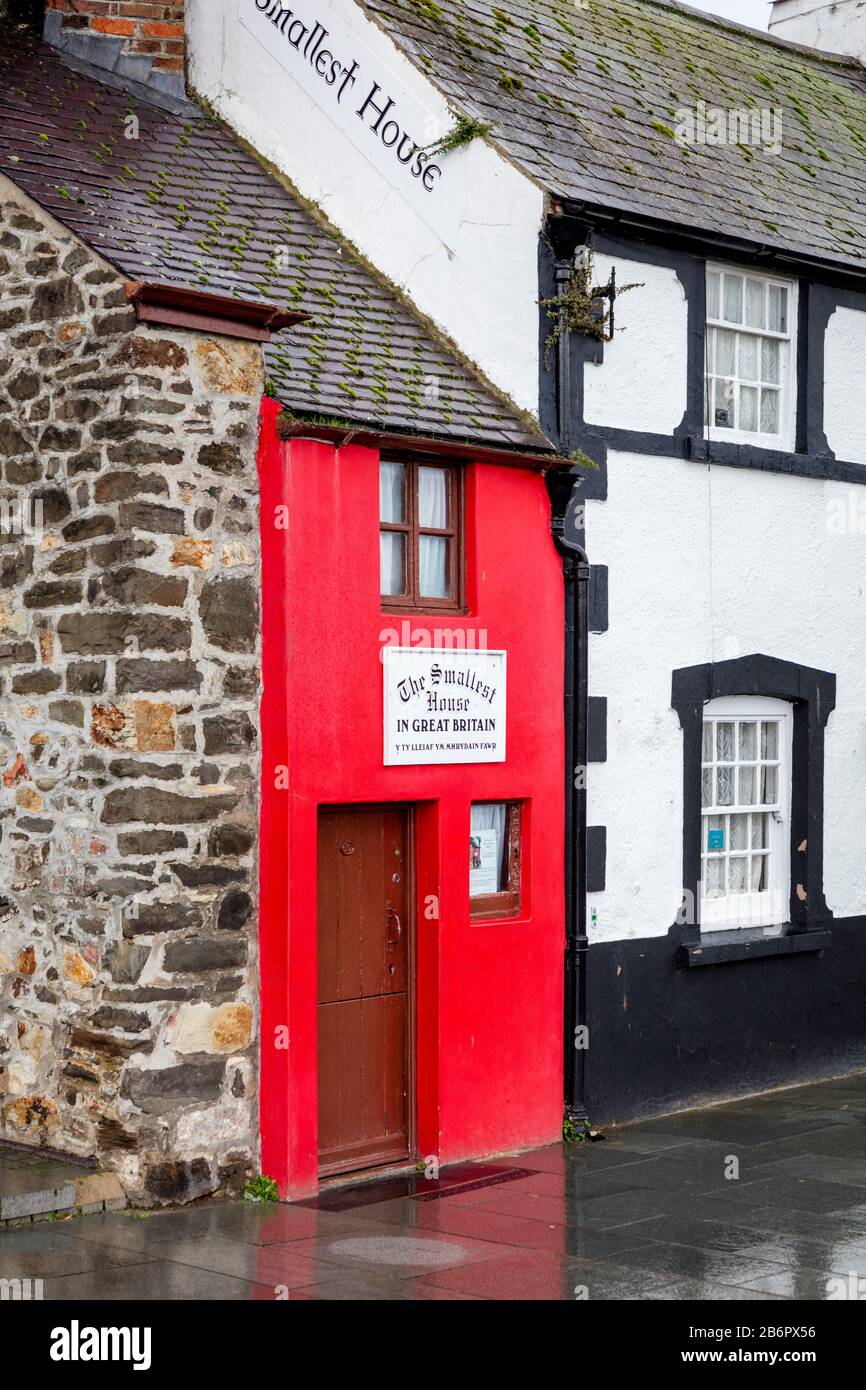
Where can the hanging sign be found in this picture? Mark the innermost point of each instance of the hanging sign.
(388, 124)
(443, 706)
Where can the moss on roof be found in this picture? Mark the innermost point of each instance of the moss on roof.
(177, 198)
(585, 96)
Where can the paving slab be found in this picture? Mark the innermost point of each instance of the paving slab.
(34, 1184)
(650, 1213)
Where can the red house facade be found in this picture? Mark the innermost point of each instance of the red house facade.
(459, 1052)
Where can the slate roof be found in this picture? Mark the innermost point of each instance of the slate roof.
(186, 204)
(583, 95)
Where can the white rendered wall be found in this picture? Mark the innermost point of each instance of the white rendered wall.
(707, 564)
(836, 26)
(642, 382)
(845, 385)
(481, 284)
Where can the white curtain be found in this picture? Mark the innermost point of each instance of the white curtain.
(492, 816)
(432, 499)
(433, 550)
(392, 492)
(391, 566)
(433, 566)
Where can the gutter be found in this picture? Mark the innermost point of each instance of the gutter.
(574, 215)
(369, 437)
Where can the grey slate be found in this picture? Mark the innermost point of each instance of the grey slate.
(583, 96)
(186, 204)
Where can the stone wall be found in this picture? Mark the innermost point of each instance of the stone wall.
(129, 685)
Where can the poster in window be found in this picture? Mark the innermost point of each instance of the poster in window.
(483, 863)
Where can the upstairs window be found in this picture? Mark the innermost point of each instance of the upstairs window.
(745, 812)
(420, 536)
(750, 358)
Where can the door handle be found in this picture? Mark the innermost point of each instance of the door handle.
(392, 917)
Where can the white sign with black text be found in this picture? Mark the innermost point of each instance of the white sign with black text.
(386, 122)
(444, 706)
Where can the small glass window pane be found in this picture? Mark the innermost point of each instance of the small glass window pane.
(488, 866)
(749, 357)
(769, 741)
(392, 562)
(707, 756)
(739, 832)
(713, 294)
(707, 787)
(770, 359)
(737, 871)
(714, 880)
(759, 832)
(769, 412)
(768, 786)
(724, 409)
(725, 742)
(759, 873)
(725, 786)
(778, 309)
(733, 299)
(726, 352)
(748, 742)
(755, 303)
(749, 408)
(747, 786)
(433, 498)
(392, 495)
(433, 567)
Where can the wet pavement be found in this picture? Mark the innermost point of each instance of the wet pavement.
(652, 1212)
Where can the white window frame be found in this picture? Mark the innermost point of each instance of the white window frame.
(786, 437)
(770, 907)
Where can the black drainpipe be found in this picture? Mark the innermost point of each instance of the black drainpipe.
(567, 530)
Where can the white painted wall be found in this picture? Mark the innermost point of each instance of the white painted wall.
(836, 26)
(844, 375)
(475, 272)
(707, 564)
(642, 382)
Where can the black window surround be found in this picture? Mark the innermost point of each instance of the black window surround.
(818, 299)
(812, 695)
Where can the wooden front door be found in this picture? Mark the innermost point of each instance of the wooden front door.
(364, 989)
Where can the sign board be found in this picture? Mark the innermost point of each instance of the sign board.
(483, 863)
(443, 706)
(388, 124)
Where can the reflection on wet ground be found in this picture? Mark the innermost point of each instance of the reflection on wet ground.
(653, 1212)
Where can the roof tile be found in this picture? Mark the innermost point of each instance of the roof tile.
(584, 96)
(185, 203)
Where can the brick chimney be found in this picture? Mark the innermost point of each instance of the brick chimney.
(836, 26)
(141, 40)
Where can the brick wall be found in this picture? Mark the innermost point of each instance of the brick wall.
(129, 686)
(150, 28)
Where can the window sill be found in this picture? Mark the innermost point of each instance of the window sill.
(751, 943)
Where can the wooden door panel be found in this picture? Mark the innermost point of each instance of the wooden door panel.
(363, 942)
(364, 992)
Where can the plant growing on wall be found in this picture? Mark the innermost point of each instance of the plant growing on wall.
(583, 307)
(463, 132)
